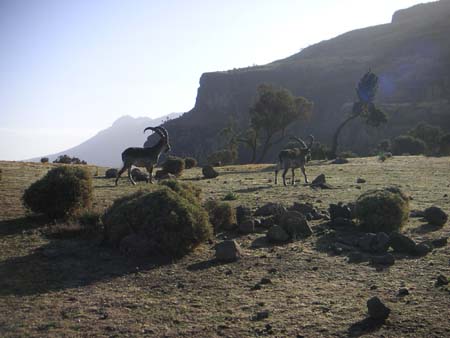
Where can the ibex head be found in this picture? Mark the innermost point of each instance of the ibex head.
(162, 132)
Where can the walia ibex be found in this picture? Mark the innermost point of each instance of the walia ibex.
(294, 158)
(145, 157)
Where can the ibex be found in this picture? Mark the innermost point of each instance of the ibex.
(294, 158)
(145, 157)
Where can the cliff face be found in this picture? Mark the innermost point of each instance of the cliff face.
(411, 56)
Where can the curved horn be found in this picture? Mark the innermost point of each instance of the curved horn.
(311, 141)
(299, 140)
(164, 131)
(156, 130)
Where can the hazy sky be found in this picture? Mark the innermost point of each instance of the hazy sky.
(69, 68)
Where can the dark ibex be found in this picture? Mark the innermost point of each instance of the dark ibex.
(145, 157)
(294, 158)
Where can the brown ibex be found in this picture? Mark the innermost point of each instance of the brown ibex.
(294, 158)
(145, 157)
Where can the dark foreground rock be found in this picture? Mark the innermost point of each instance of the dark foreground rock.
(435, 216)
(377, 310)
(228, 251)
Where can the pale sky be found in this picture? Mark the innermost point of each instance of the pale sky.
(70, 68)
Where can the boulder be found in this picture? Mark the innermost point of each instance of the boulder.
(435, 216)
(386, 259)
(360, 180)
(228, 251)
(247, 227)
(401, 243)
(209, 172)
(303, 208)
(270, 209)
(319, 180)
(423, 249)
(377, 310)
(243, 214)
(339, 210)
(439, 242)
(374, 243)
(295, 224)
(138, 175)
(277, 234)
(163, 175)
(111, 173)
(340, 160)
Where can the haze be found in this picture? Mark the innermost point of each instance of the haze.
(70, 68)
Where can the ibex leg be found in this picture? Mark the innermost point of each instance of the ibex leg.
(293, 176)
(284, 176)
(150, 171)
(120, 173)
(304, 174)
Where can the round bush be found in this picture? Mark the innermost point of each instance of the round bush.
(382, 210)
(138, 175)
(44, 160)
(222, 215)
(63, 191)
(405, 144)
(190, 162)
(174, 166)
(165, 222)
(111, 173)
(186, 190)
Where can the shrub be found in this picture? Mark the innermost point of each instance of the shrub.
(44, 160)
(384, 210)
(111, 173)
(319, 151)
(63, 191)
(186, 190)
(429, 134)
(138, 175)
(405, 144)
(221, 215)
(384, 145)
(174, 166)
(163, 221)
(230, 196)
(190, 162)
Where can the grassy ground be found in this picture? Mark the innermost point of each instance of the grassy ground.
(75, 287)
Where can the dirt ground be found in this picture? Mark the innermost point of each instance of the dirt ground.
(55, 287)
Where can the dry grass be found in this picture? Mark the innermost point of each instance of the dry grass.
(75, 287)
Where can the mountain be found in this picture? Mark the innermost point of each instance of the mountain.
(411, 56)
(106, 147)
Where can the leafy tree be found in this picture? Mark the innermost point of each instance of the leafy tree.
(363, 108)
(429, 134)
(250, 138)
(273, 112)
(406, 144)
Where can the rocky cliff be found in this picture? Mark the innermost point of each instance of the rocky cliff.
(411, 56)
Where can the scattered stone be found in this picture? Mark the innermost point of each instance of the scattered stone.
(341, 223)
(401, 243)
(243, 214)
(295, 224)
(356, 257)
(374, 243)
(247, 227)
(270, 209)
(319, 180)
(416, 214)
(277, 234)
(360, 180)
(339, 210)
(303, 208)
(265, 280)
(441, 280)
(209, 172)
(111, 173)
(439, 242)
(272, 270)
(267, 222)
(386, 259)
(256, 287)
(261, 315)
(402, 292)
(341, 247)
(435, 216)
(340, 160)
(228, 251)
(163, 175)
(377, 310)
(423, 249)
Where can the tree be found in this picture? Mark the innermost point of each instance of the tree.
(363, 108)
(429, 134)
(273, 112)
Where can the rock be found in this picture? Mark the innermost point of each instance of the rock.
(243, 214)
(163, 175)
(265, 280)
(303, 208)
(439, 242)
(402, 292)
(267, 222)
(277, 234)
(386, 259)
(209, 172)
(340, 160)
(341, 223)
(138, 175)
(270, 209)
(247, 227)
(319, 180)
(341, 247)
(261, 315)
(111, 173)
(360, 180)
(377, 310)
(435, 216)
(136, 246)
(416, 214)
(356, 257)
(374, 243)
(339, 210)
(295, 224)
(423, 249)
(401, 243)
(441, 280)
(228, 251)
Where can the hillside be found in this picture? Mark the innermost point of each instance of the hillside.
(105, 148)
(411, 56)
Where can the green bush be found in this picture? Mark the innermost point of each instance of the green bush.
(166, 222)
(384, 210)
(44, 160)
(405, 144)
(62, 192)
(230, 196)
(188, 191)
(174, 166)
(190, 162)
(221, 215)
(111, 173)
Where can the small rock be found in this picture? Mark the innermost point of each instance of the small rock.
(261, 315)
(265, 280)
(377, 310)
(270, 209)
(375, 243)
(439, 242)
(356, 257)
(303, 208)
(401, 243)
(416, 214)
(295, 225)
(337, 210)
(138, 175)
(209, 172)
(111, 173)
(267, 222)
(341, 223)
(277, 234)
(319, 180)
(340, 160)
(441, 280)
(360, 180)
(402, 292)
(435, 216)
(247, 227)
(423, 249)
(387, 259)
(163, 175)
(228, 251)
